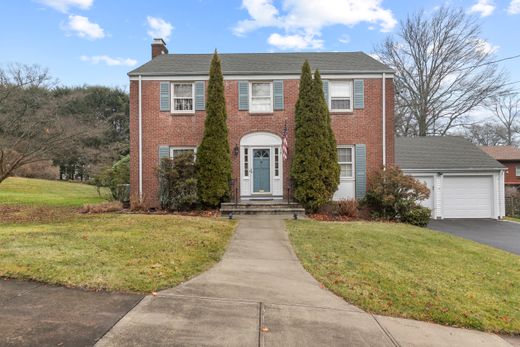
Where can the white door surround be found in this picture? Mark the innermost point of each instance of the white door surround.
(250, 144)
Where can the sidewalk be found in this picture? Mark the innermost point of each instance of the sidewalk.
(260, 295)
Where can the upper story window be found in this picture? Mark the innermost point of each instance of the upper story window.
(346, 162)
(261, 97)
(183, 98)
(518, 170)
(340, 96)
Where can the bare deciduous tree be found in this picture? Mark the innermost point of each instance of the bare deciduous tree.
(506, 109)
(31, 126)
(485, 134)
(444, 70)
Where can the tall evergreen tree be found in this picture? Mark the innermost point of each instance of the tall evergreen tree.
(314, 170)
(213, 167)
(330, 167)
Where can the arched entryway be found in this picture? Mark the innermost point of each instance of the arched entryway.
(261, 166)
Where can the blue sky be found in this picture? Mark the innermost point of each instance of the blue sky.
(99, 41)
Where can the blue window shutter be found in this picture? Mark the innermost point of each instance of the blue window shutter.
(165, 96)
(326, 91)
(278, 94)
(361, 171)
(164, 152)
(243, 95)
(359, 94)
(200, 96)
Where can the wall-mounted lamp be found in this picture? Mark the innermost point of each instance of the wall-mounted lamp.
(236, 150)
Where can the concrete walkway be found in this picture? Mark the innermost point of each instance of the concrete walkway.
(260, 295)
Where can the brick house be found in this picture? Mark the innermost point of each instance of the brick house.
(509, 156)
(167, 111)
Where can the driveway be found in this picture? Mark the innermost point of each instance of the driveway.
(500, 234)
(34, 314)
(260, 295)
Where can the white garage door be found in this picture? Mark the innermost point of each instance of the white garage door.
(428, 180)
(467, 197)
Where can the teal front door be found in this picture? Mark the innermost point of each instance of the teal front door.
(261, 171)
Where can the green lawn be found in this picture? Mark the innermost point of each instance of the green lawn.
(35, 192)
(44, 238)
(405, 271)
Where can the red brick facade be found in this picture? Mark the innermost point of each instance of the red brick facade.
(362, 126)
(510, 176)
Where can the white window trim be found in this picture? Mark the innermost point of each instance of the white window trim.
(173, 110)
(271, 110)
(175, 148)
(351, 109)
(353, 177)
(517, 170)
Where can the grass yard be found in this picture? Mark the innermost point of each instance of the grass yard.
(35, 192)
(44, 238)
(405, 271)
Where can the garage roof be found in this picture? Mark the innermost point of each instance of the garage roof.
(262, 64)
(441, 152)
(502, 152)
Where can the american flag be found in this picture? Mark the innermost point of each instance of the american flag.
(284, 142)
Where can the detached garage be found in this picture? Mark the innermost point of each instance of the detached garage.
(464, 181)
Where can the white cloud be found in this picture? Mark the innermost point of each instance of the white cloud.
(344, 39)
(263, 14)
(64, 5)
(485, 47)
(514, 7)
(159, 28)
(83, 27)
(483, 7)
(307, 18)
(96, 59)
(294, 41)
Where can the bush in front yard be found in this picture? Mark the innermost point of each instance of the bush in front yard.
(115, 176)
(314, 168)
(418, 215)
(392, 195)
(213, 154)
(177, 183)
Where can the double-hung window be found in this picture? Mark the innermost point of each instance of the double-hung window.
(261, 98)
(346, 162)
(176, 151)
(340, 96)
(183, 98)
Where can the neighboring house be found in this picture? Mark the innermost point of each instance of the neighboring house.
(509, 156)
(167, 111)
(464, 181)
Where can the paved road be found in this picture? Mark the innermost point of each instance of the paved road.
(32, 314)
(500, 234)
(260, 295)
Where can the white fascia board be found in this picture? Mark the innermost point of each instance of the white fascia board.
(256, 77)
(470, 170)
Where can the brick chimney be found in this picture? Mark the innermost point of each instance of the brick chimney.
(158, 47)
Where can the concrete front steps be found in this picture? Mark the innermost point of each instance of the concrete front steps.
(262, 207)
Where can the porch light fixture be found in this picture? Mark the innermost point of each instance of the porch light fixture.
(236, 150)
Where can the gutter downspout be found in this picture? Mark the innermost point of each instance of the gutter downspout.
(384, 118)
(140, 117)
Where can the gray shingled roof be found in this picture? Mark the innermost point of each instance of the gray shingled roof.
(441, 152)
(262, 63)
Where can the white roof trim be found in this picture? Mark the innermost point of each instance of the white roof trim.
(258, 77)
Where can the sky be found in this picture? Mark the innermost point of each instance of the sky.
(96, 42)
